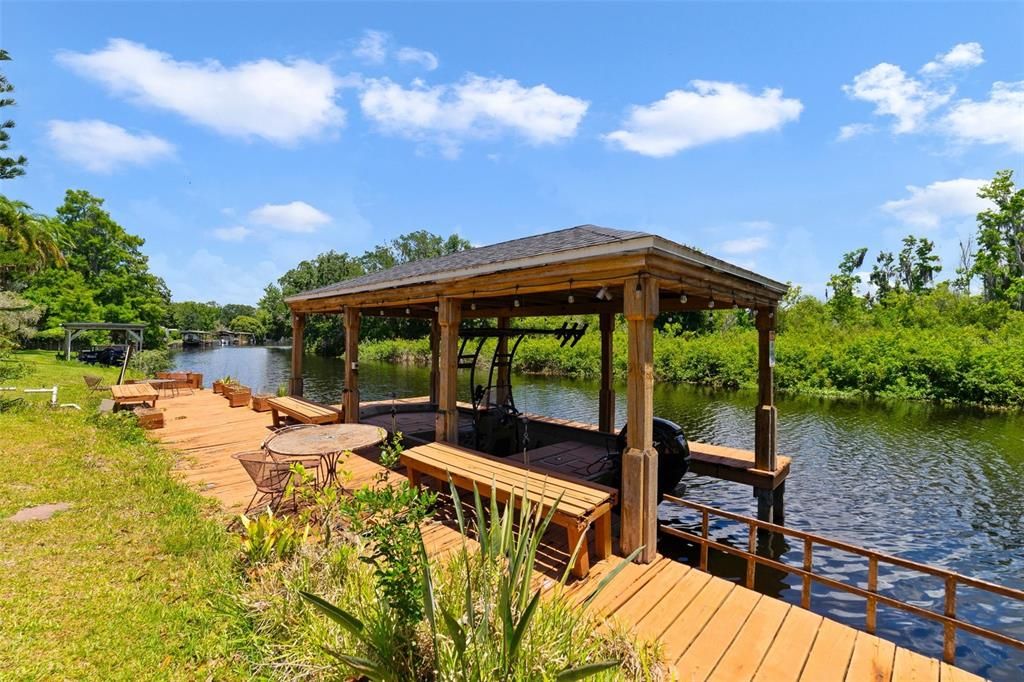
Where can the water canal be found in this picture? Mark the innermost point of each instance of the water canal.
(940, 485)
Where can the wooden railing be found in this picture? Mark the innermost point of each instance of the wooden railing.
(951, 623)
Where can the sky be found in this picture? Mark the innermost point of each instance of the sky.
(241, 138)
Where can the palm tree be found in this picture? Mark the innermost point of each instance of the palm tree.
(34, 236)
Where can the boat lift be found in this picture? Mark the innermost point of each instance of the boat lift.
(488, 413)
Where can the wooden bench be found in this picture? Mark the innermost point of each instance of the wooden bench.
(133, 394)
(302, 410)
(581, 503)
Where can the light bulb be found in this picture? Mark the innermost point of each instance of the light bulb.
(572, 299)
(711, 303)
(515, 303)
(472, 306)
(407, 311)
(682, 298)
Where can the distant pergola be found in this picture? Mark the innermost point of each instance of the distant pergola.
(132, 330)
(580, 270)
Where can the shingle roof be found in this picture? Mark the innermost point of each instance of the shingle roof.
(568, 239)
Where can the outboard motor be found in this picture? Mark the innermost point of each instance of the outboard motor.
(673, 454)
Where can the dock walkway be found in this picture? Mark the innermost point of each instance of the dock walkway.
(709, 628)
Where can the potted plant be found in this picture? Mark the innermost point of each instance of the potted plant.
(218, 384)
(261, 402)
(238, 395)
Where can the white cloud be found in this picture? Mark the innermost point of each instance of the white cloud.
(101, 147)
(928, 207)
(475, 107)
(712, 111)
(372, 47)
(896, 94)
(414, 55)
(961, 56)
(232, 234)
(744, 246)
(852, 130)
(206, 276)
(281, 102)
(759, 225)
(297, 216)
(375, 47)
(997, 120)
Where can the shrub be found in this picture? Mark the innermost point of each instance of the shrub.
(149, 362)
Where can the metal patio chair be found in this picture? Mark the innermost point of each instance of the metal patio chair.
(268, 475)
(94, 383)
(311, 463)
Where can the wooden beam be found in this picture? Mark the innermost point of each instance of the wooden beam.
(606, 399)
(446, 425)
(640, 460)
(766, 416)
(435, 340)
(504, 379)
(351, 397)
(298, 330)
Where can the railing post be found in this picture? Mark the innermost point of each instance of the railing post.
(752, 549)
(704, 545)
(872, 606)
(805, 596)
(949, 629)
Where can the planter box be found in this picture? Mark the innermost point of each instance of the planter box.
(218, 387)
(239, 397)
(195, 381)
(261, 403)
(149, 417)
(227, 389)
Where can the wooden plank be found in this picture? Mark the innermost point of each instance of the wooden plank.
(606, 397)
(685, 628)
(652, 594)
(447, 424)
(662, 615)
(741, 660)
(788, 652)
(910, 666)
(830, 655)
(703, 654)
(872, 659)
(950, 673)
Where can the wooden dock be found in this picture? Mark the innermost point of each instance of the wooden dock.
(709, 628)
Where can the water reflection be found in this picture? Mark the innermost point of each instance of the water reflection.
(931, 483)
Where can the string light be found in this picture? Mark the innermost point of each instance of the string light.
(683, 298)
(515, 301)
(571, 299)
(711, 303)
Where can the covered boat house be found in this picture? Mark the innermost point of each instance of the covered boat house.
(582, 270)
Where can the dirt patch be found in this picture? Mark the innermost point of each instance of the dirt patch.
(40, 512)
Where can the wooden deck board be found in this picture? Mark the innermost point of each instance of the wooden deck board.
(711, 628)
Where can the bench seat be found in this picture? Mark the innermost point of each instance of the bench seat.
(302, 410)
(577, 504)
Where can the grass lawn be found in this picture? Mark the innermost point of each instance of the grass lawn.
(124, 584)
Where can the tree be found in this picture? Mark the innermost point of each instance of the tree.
(106, 267)
(1000, 258)
(247, 323)
(10, 167)
(884, 274)
(965, 271)
(273, 313)
(194, 315)
(29, 242)
(323, 333)
(230, 311)
(918, 263)
(845, 283)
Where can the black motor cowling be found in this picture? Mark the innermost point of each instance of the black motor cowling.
(673, 454)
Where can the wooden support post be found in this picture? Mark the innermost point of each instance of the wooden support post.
(298, 329)
(350, 399)
(606, 400)
(435, 339)
(446, 425)
(766, 415)
(67, 344)
(504, 379)
(640, 460)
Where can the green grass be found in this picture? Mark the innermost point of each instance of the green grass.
(122, 585)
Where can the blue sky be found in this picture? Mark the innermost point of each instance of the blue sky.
(241, 138)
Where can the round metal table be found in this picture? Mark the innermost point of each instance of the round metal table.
(328, 442)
